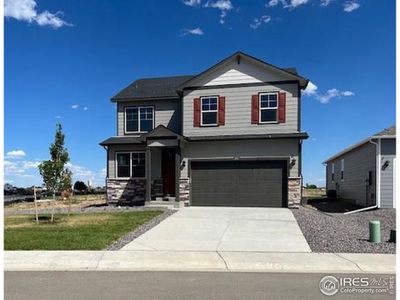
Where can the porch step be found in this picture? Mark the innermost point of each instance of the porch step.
(166, 204)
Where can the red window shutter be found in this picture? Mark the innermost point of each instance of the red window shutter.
(254, 109)
(282, 108)
(196, 112)
(221, 110)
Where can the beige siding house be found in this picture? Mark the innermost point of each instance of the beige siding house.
(228, 136)
(363, 174)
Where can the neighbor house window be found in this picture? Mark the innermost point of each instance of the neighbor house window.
(332, 171)
(342, 169)
(268, 107)
(139, 119)
(131, 164)
(209, 111)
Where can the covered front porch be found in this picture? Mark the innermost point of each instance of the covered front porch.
(144, 168)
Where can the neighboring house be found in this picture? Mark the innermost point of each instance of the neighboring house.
(364, 173)
(229, 136)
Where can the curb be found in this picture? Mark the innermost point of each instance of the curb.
(269, 262)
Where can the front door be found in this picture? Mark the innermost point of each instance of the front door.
(168, 171)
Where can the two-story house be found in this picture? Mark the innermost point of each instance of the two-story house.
(229, 136)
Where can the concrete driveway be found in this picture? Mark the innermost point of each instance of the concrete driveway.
(225, 229)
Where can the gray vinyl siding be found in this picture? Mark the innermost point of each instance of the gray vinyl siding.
(167, 113)
(273, 149)
(238, 110)
(357, 164)
(388, 153)
(155, 159)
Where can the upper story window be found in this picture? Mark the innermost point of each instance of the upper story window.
(268, 107)
(332, 171)
(342, 170)
(209, 111)
(139, 119)
(130, 164)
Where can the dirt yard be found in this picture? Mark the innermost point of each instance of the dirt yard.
(77, 202)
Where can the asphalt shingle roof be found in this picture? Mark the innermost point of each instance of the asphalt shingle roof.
(388, 131)
(152, 88)
(161, 87)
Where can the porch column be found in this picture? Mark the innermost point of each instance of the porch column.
(148, 174)
(177, 171)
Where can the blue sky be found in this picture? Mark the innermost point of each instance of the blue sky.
(65, 59)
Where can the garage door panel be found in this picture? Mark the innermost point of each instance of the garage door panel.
(239, 183)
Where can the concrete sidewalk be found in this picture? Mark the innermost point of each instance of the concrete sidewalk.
(199, 261)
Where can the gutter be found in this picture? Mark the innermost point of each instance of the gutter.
(377, 180)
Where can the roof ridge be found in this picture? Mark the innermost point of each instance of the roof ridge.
(164, 77)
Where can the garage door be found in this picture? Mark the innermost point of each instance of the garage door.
(239, 183)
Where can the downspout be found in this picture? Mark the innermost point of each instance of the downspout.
(105, 180)
(377, 180)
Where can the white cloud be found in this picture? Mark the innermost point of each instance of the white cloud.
(272, 3)
(195, 31)
(295, 3)
(84, 174)
(75, 106)
(15, 154)
(47, 18)
(257, 22)
(192, 2)
(30, 164)
(85, 108)
(58, 117)
(290, 4)
(25, 10)
(19, 168)
(325, 2)
(349, 6)
(312, 91)
(347, 93)
(223, 5)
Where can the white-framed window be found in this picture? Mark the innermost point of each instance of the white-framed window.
(332, 171)
(130, 164)
(139, 119)
(209, 111)
(342, 170)
(268, 107)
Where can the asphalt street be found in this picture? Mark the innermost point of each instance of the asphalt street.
(168, 285)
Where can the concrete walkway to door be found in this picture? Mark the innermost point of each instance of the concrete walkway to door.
(225, 229)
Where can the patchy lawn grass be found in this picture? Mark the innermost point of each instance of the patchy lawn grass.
(314, 193)
(93, 231)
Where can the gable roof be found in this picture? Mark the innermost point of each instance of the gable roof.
(161, 87)
(391, 131)
(161, 132)
(168, 87)
(289, 72)
(121, 140)
(386, 133)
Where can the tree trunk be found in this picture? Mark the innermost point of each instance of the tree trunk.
(52, 208)
(36, 208)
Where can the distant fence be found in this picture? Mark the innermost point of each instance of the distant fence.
(17, 198)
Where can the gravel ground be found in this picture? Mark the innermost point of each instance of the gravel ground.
(139, 231)
(339, 233)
